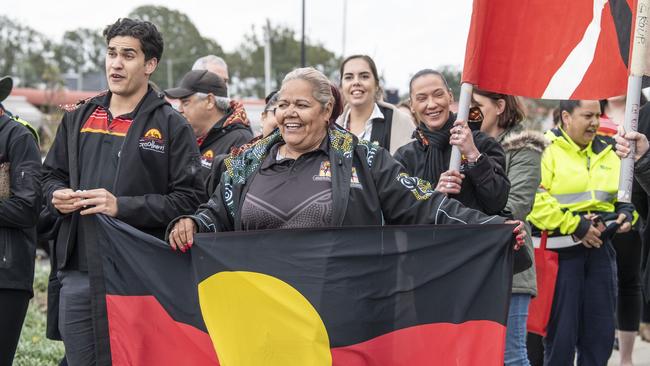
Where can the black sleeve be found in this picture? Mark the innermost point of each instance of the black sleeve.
(211, 216)
(488, 177)
(241, 136)
(21, 209)
(411, 200)
(56, 174)
(625, 208)
(218, 167)
(187, 190)
(405, 156)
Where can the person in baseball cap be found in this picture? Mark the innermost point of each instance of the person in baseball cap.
(218, 123)
(199, 81)
(6, 84)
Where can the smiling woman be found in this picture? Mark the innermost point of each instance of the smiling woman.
(481, 182)
(366, 115)
(312, 173)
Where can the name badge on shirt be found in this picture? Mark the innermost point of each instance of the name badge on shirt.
(325, 175)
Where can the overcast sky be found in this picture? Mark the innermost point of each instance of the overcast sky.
(402, 36)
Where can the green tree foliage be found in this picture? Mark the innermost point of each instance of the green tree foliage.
(453, 75)
(246, 64)
(81, 50)
(27, 54)
(183, 42)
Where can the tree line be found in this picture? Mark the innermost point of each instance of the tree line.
(38, 61)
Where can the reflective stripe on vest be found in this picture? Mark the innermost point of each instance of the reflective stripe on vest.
(569, 198)
(556, 242)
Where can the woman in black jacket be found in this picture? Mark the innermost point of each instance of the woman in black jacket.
(311, 173)
(20, 200)
(481, 183)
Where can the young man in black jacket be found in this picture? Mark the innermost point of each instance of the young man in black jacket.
(218, 123)
(125, 154)
(20, 200)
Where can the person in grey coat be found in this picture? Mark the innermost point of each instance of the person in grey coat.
(502, 117)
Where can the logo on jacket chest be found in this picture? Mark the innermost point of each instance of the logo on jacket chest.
(152, 141)
(206, 159)
(325, 174)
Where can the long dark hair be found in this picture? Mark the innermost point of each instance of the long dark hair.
(337, 105)
(513, 113)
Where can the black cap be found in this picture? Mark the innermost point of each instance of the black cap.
(6, 84)
(199, 81)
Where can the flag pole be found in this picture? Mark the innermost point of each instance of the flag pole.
(637, 70)
(463, 114)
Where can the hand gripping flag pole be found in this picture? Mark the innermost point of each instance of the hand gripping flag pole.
(637, 70)
(463, 115)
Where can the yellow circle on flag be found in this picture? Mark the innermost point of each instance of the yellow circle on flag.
(255, 319)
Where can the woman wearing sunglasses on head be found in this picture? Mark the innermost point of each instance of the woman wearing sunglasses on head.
(481, 183)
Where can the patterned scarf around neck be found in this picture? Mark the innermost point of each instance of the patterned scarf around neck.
(437, 149)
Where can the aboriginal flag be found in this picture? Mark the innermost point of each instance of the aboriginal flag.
(416, 295)
(553, 49)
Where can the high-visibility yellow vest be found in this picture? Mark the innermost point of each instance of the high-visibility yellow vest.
(29, 127)
(574, 180)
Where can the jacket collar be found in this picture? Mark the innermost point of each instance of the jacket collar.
(149, 102)
(597, 146)
(242, 165)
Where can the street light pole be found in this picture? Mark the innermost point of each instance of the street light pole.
(303, 58)
(345, 20)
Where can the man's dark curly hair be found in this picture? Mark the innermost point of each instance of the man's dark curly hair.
(146, 32)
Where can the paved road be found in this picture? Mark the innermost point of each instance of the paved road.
(640, 357)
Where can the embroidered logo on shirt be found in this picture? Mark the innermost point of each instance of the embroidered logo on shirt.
(153, 141)
(325, 174)
(420, 188)
(206, 159)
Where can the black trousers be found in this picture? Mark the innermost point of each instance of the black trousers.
(628, 262)
(14, 307)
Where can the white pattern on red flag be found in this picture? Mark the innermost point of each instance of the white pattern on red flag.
(555, 49)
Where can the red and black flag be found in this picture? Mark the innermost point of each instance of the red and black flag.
(418, 295)
(553, 49)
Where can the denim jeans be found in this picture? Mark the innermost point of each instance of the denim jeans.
(516, 354)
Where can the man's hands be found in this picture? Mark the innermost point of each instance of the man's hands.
(623, 143)
(64, 200)
(92, 201)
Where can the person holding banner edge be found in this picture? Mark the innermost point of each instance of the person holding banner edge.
(354, 182)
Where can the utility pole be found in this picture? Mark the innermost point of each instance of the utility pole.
(170, 74)
(267, 58)
(345, 23)
(303, 58)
